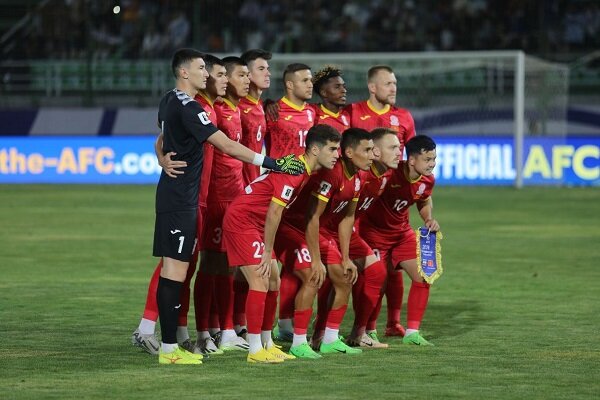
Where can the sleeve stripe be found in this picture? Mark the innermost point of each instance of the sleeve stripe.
(277, 201)
(321, 197)
(355, 199)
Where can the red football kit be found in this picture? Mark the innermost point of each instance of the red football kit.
(244, 222)
(209, 108)
(363, 115)
(386, 225)
(288, 134)
(373, 184)
(254, 127)
(226, 182)
(340, 121)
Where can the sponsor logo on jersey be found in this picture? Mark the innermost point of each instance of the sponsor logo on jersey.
(394, 121)
(288, 117)
(228, 118)
(324, 116)
(396, 185)
(204, 118)
(247, 110)
(175, 231)
(364, 117)
(286, 192)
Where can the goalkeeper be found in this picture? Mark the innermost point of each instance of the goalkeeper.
(186, 127)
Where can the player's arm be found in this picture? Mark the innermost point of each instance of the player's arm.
(272, 221)
(289, 164)
(164, 160)
(315, 209)
(426, 211)
(344, 233)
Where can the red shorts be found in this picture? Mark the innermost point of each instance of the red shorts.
(292, 251)
(244, 248)
(394, 246)
(358, 247)
(212, 232)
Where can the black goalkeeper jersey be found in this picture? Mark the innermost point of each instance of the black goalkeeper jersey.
(185, 127)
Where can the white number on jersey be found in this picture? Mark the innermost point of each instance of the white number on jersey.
(366, 203)
(303, 255)
(400, 204)
(341, 206)
(259, 248)
(302, 136)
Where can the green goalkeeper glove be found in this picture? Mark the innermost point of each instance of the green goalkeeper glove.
(289, 164)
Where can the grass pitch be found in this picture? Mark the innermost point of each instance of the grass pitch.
(515, 315)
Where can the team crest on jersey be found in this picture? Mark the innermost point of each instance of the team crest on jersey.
(324, 188)
(309, 115)
(421, 189)
(394, 121)
(203, 118)
(286, 192)
(344, 120)
(357, 185)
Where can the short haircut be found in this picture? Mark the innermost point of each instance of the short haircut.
(183, 56)
(290, 69)
(419, 144)
(374, 70)
(352, 137)
(231, 62)
(323, 75)
(321, 134)
(378, 133)
(211, 61)
(250, 56)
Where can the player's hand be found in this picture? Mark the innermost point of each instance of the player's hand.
(264, 267)
(350, 271)
(318, 274)
(432, 225)
(289, 164)
(170, 166)
(271, 109)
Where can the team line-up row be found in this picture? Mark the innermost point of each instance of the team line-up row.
(335, 216)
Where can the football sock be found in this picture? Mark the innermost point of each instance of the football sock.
(372, 324)
(240, 293)
(224, 291)
(151, 308)
(147, 326)
(287, 295)
(266, 338)
(286, 325)
(182, 334)
(410, 331)
(394, 294)
(168, 347)
(323, 305)
(298, 340)
(213, 331)
(184, 298)
(168, 308)
(301, 321)
(228, 335)
(366, 301)
(418, 296)
(254, 340)
(213, 318)
(331, 335)
(203, 297)
(270, 309)
(357, 293)
(203, 334)
(255, 310)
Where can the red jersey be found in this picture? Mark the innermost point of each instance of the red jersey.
(337, 187)
(288, 134)
(249, 210)
(363, 115)
(207, 163)
(254, 126)
(390, 211)
(340, 120)
(226, 178)
(373, 183)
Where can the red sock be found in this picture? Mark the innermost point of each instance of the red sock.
(270, 308)
(213, 319)
(301, 321)
(418, 296)
(224, 291)
(203, 296)
(323, 305)
(372, 324)
(151, 307)
(240, 290)
(394, 294)
(357, 293)
(184, 296)
(374, 278)
(287, 294)
(335, 317)
(255, 309)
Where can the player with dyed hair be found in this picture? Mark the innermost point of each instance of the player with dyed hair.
(331, 88)
(249, 229)
(387, 229)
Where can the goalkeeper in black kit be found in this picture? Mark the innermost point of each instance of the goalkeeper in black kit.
(186, 127)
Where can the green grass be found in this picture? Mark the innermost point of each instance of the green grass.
(516, 314)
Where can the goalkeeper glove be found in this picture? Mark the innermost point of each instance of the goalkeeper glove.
(289, 164)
